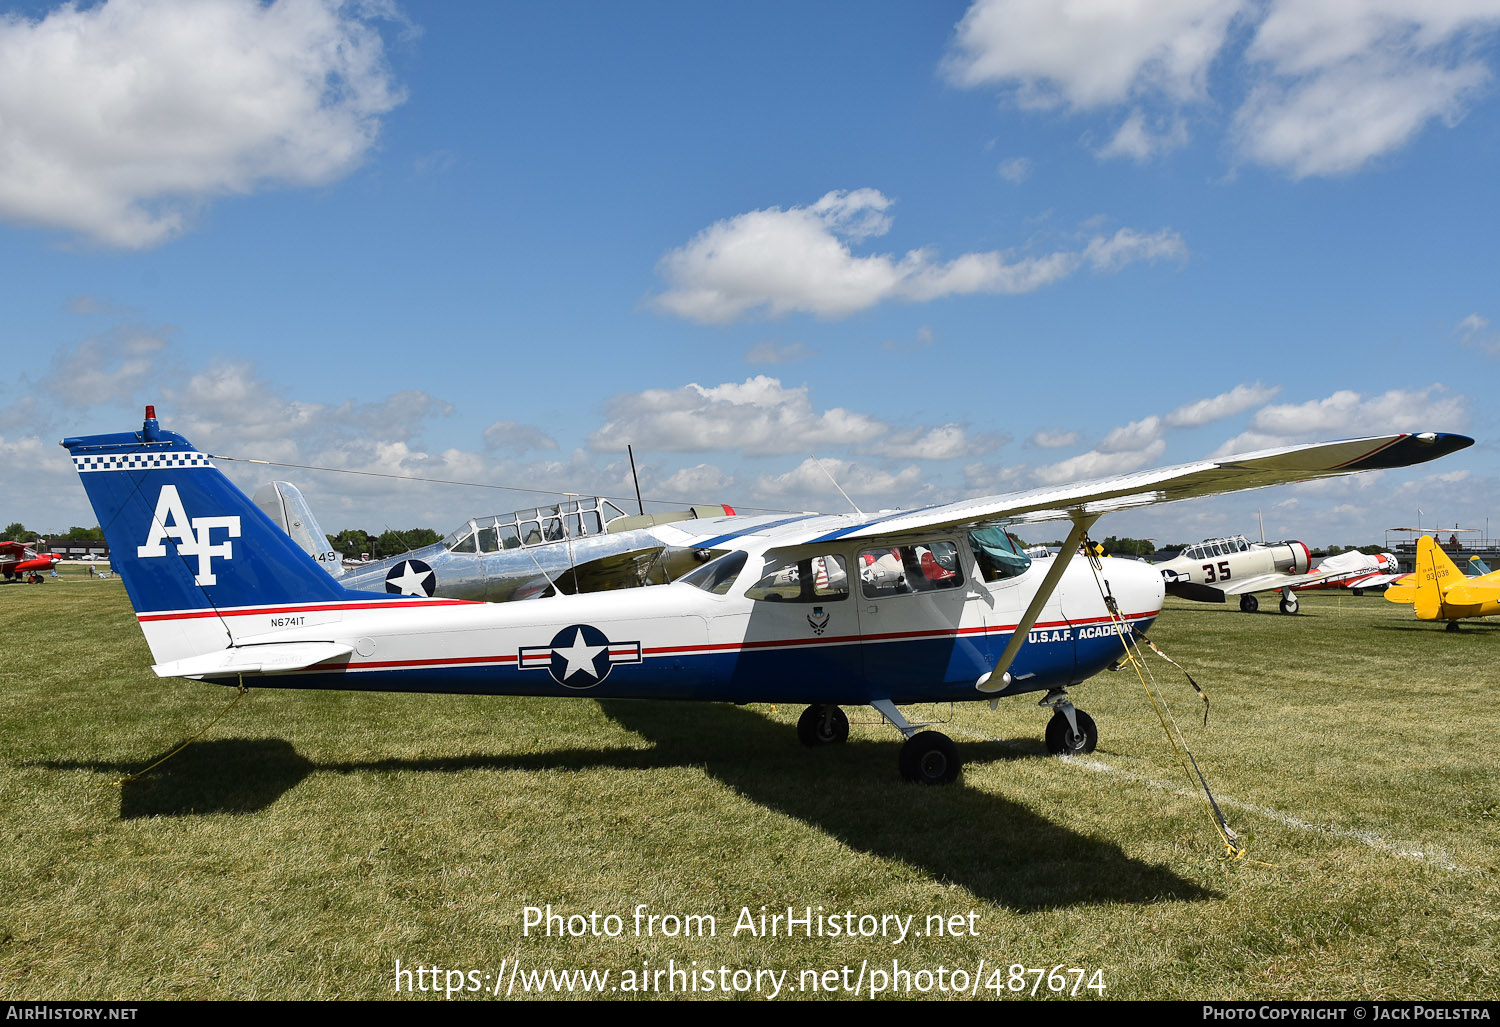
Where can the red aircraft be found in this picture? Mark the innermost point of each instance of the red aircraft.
(19, 560)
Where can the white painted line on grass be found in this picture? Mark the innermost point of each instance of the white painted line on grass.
(1432, 856)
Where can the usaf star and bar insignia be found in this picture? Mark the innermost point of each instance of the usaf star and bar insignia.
(411, 578)
(579, 656)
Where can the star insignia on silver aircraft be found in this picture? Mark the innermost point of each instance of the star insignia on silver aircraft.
(411, 578)
(579, 656)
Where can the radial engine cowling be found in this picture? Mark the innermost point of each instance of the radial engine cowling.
(1292, 557)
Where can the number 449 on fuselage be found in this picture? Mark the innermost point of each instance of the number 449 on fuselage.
(934, 604)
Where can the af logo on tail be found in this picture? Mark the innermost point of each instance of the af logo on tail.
(192, 535)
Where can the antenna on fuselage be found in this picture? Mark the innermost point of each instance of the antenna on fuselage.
(814, 458)
(1262, 518)
(635, 479)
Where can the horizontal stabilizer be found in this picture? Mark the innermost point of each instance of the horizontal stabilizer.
(270, 658)
(1472, 594)
(1401, 593)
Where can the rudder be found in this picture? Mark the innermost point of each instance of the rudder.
(181, 536)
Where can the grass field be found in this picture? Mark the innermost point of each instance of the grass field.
(310, 841)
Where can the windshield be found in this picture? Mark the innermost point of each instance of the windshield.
(717, 576)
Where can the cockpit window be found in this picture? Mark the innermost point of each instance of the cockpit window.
(901, 570)
(717, 576)
(464, 545)
(578, 517)
(801, 579)
(998, 553)
(489, 540)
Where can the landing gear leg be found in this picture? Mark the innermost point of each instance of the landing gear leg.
(1070, 732)
(927, 757)
(1288, 601)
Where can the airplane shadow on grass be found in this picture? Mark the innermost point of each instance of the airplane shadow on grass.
(997, 849)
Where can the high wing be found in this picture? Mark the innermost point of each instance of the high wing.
(1086, 500)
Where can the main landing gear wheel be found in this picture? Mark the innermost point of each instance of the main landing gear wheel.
(1288, 604)
(1452, 626)
(1249, 604)
(1062, 741)
(930, 758)
(822, 724)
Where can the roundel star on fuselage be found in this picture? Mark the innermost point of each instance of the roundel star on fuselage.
(411, 578)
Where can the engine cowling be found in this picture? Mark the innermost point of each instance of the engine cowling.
(1291, 556)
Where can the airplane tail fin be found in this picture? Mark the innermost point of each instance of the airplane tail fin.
(1433, 572)
(189, 546)
(284, 503)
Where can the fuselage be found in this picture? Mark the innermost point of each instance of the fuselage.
(849, 640)
(1222, 561)
(27, 561)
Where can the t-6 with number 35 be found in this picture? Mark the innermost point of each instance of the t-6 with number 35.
(1220, 567)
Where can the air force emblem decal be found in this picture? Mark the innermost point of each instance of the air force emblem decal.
(579, 656)
(818, 620)
(192, 536)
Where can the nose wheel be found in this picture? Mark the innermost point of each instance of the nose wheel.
(1064, 739)
(1070, 732)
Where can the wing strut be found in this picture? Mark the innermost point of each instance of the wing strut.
(999, 676)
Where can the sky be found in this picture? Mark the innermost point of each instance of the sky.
(931, 251)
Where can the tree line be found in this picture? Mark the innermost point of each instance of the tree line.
(352, 543)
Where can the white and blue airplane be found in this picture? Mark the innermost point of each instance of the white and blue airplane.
(928, 605)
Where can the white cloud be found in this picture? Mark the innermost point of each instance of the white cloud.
(1225, 404)
(758, 416)
(1329, 85)
(981, 479)
(808, 479)
(771, 352)
(942, 443)
(799, 259)
(694, 484)
(1137, 435)
(118, 121)
(1339, 119)
(1474, 331)
(518, 437)
(115, 363)
(1140, 142)
(1097, 464)
(1090, 53)
(230, 408)
(1053, 439)
(1016, 169)
(1346, 414)
(924, 339)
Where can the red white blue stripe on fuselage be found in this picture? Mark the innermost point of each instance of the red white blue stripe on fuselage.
(904, 666)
